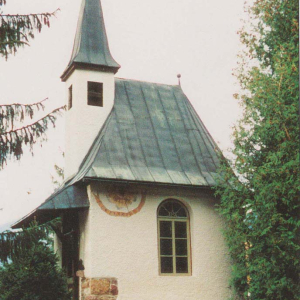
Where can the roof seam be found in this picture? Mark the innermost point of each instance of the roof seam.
(196, 139)
(200, 170)
(208, 151)
(175, 146)
(108, 158)
(156, 138)
(137, 131)
(205, 132)
(143, 151)
(118, 125)
(198, 121)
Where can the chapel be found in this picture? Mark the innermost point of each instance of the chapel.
(137, 208)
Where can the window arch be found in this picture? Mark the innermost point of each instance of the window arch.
(173, 238)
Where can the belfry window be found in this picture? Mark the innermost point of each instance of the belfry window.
(173, 238)
(95, 93)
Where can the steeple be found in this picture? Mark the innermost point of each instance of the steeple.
(91, 50)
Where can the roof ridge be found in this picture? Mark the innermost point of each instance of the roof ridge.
(150, 82)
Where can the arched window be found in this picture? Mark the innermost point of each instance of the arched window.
(173, 238)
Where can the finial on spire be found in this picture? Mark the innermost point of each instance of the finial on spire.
(179, 76)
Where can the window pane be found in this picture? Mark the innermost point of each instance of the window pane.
(179, 211)
(181, 265)
(180, 229)
(95, 93)
(95, 87)
(163, 212)
(94, 101)
(168, 207)
(181, 247)
(165, 247)
(166, 264)
(165, 229)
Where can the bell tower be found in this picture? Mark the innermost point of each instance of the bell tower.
(90, 84)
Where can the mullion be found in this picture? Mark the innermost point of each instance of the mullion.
(174, 247)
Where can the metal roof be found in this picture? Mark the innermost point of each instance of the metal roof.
(91, 48)
(67, 197)
(153, 136)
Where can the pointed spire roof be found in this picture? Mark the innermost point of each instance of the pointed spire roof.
(91, 50)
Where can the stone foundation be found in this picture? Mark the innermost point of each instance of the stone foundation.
(99, 288)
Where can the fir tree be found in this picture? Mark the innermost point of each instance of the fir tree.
(260, 199)
(29, 270)
(15, 32)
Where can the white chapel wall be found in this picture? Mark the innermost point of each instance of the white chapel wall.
(83, 122)
(126, 248)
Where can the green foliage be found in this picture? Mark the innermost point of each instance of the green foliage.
(30, 271)
(12, 139)
(14, 244)
(15, 32)
(260, 199)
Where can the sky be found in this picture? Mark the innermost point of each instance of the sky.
(152, 40)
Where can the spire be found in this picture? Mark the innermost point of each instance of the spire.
(91, 50)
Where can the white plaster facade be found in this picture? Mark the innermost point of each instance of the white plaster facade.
(126, 248)
(83, 122)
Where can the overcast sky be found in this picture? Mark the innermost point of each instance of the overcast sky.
(152, 40)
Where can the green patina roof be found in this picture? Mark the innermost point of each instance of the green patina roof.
(91, 50)
(67, 197)
(153, 136)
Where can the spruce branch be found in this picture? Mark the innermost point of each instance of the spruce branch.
(50, 116)
(25, 105)
(16, 30)
(10, 113)
(11, 142)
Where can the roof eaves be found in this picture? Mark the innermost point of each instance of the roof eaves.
(147, 183)
(86, 66)
(63, 192)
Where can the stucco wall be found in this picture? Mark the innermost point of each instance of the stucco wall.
(83, 122)
(126, 248)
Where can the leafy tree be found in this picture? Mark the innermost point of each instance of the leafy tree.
(30, 270)
(260, 194)
(15, 32)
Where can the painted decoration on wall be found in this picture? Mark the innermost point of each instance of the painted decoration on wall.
(117, 201)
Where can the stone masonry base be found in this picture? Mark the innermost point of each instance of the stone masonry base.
(99, 288)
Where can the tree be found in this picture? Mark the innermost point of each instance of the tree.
(260, 193)
(15, 32)
(30, 270)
